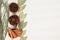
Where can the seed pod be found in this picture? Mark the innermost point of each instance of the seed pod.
(13, 7)
(14, 20)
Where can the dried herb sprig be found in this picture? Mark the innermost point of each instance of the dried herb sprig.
(1, 30)
(22, 24)
(1, 26)
(4, 17)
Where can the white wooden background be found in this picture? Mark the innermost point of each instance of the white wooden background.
(43, 19)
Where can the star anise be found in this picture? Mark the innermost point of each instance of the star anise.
(13, 7)
(14, 20)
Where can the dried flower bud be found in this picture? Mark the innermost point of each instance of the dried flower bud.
(13, 7)
(14, 20)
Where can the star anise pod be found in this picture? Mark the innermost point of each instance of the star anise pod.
(14, 20)
(13, 7)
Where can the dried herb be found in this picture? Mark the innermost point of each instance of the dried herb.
(22, 23)
(21, 2)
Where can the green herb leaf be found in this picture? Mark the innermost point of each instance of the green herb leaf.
(22, 16)
(21, 2)
(22, 7)
(1, 2)
(1, 27)
(23, 38)
(1, 30)
(24, 32)
(22, 24)
(5, 18)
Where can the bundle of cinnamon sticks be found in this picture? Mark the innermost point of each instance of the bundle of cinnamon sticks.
(13, 33)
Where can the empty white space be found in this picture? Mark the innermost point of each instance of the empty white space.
(43, 19)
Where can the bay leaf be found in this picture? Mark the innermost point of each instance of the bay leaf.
(24, 32)
(23, 38)
(22, 7)
(22, 16)
(22, 24)
(21, 2)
